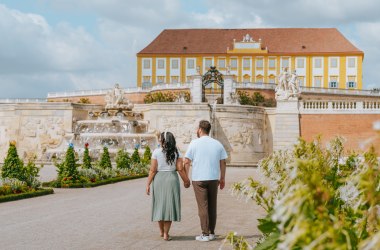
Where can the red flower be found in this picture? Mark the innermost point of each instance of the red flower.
(86, 145)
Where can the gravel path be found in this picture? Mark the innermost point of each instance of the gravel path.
(117, 216)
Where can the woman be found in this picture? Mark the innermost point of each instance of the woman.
(166, 162)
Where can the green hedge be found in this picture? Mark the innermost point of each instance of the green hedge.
(93, 184)
(13, 197)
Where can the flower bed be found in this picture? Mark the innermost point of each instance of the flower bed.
(87, 174)
(28, 194)
(19, 180)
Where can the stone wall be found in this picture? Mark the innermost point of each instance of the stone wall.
(244, 131)
(37, 127)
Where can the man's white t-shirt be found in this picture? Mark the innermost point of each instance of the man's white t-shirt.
(161, 160)
(205, 154)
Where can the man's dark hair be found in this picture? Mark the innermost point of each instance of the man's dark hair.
(205, 126)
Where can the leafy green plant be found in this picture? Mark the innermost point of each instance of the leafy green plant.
(147, 155)
(136, 156)
(13, 167)
(257, 99)
(86, 158)
(123, 160)
(167, 96)
(317, 198)
(105, 160)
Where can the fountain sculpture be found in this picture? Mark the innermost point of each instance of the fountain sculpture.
(116, 127)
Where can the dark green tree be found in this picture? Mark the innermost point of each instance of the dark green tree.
(13, 167)
(86, 158)
(135, 156)
(70, 169)
(123, 160)
(105, 160)
(147, 155)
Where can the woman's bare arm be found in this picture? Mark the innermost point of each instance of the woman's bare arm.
(152, 173)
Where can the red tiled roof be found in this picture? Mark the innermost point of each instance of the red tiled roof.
(277, 40)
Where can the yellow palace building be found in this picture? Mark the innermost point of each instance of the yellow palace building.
(322, 57)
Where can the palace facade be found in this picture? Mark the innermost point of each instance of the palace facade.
(322, 57)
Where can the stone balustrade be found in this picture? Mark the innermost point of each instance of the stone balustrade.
(157, 87)
(23, 100)
(341, 106)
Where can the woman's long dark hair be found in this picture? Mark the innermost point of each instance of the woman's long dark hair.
(169, 147)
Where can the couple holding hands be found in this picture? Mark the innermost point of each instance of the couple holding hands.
(207, 157)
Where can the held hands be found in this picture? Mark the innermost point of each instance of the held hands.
(222, 183)
(186, 184)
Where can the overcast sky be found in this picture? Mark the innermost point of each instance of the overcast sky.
(65, 45)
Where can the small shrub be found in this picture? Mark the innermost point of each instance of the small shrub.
(86, 158)
(84, 101)
(147, 155)
(13, 167)
(135, 156)
(123, 160)
(105, 160)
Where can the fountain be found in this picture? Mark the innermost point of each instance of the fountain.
(116, 127)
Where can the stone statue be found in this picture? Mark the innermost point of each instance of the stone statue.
(115, 99)
(292, 84)
(247, 38)
(287, 85)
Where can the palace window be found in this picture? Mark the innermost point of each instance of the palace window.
(259, 63)
(160, 79)
(351, 62)
(174, 79)
(300, 63)
(222, 63)
(301, 81)
(246, 63)
(285, 62)
(351, 82)
(259, 79)
(146, 79)
(246, 78)
(208, 63)
(272, 79)
(233, 63)
(333, 62)
(160, 63)
(188, 78)
(318, 63)
(317, 81)
(333, 82)
(272, 63)
(146, 63)
(190, 63)
(174, 63)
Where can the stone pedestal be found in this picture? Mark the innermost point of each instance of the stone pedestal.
(196, 89)
(228, 89)
(287, 128)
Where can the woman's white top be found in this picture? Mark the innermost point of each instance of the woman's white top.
(161, 160)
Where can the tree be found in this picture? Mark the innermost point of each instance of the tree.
(105, 161)
(123, 160)
(70, 166)
(86, 158)
(13, 167)
(136, 156)
(147, 155)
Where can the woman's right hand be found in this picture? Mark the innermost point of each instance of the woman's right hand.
(186, 184)
(148, 190)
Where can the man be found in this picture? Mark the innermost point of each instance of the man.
(208, 158)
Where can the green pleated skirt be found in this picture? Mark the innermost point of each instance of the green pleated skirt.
(166, 194)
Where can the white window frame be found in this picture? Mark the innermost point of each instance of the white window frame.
(330, 62)
(272, 59)
(348, 62)
(224, 64)
(298, 59)
(163, 63)
(145, 60)
(188, 60)
(257, 60)
(247, 59)
(315, 62)
(235, 60)
(172, 64)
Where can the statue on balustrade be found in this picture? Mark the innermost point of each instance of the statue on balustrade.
(287, 85)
